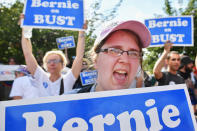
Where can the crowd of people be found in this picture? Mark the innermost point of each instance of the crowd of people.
(179, 71)
(117, 57)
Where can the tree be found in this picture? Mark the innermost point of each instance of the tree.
(10, 38)
(154, 53)
(10, 32)
(168, 8)
(43, 39)
(96, 16)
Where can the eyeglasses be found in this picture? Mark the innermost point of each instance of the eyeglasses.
(118, 52)
(55, 61)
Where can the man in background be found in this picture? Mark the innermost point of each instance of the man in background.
(172, 59)
(185, 71)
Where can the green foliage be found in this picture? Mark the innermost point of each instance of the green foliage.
(9, 33)
(154, 52)
(96, 17)
(43, 39)
(168, 9)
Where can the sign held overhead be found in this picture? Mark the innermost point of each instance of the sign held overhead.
(56, 14)
(179, 30)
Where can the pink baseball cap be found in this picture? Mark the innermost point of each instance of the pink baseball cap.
(135, 26)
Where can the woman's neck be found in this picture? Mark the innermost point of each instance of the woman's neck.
(54, 77)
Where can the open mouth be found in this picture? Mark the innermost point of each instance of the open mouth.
(120, 76)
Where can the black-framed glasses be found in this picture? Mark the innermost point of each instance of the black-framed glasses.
(55, 61)
(118, 52)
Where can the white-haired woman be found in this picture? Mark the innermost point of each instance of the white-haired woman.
(52, 82)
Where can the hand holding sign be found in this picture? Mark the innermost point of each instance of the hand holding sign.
(178, 30)
(167, 46)
(20, 18)
(82, 33)
(65, 42)
(27, 31)
(85, 25)
(54, 14)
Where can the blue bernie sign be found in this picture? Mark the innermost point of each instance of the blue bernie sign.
(65, 42)
(56, 14)
(161, 108)
(179, 30)
(88, 77)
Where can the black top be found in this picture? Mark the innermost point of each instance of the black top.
(170, 79)
(85, 89)
(184, 75)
